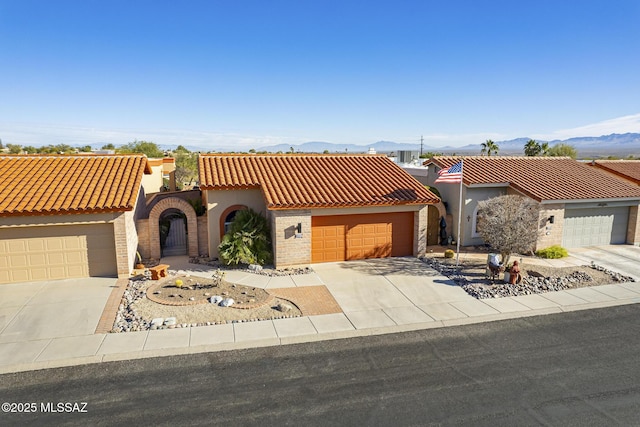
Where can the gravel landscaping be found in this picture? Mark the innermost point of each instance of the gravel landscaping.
(471, 276)
(190, 305)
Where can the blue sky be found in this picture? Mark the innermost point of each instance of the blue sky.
(245, 74)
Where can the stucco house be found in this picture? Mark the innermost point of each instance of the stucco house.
(64, 216)
(580, 205)
(321, 208)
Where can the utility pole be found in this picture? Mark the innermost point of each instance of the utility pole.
(421, 142)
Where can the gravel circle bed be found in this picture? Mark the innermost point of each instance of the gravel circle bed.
(136, 311)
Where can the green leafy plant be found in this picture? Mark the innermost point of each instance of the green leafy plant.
(248, 240)
(552, 252)
(197, 206)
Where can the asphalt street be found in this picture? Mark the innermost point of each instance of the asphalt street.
(572, 369)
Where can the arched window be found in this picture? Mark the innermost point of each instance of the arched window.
(227, 217)
(228, 220)
(476, 224)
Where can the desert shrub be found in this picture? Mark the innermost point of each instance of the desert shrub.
(552, 252)
(248, 240)
(509, 224)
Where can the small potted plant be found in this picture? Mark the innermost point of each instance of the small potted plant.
(139, 265)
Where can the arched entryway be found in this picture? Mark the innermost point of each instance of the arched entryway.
(435, 212)
(176, 213)
(173, 233)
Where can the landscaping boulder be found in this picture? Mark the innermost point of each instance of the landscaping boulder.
(227, 302)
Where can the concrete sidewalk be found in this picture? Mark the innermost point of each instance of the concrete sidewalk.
(52, 324)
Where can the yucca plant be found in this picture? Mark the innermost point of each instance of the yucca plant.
(248, 240)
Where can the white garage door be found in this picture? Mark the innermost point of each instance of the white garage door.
(595, 226)
(56, 252)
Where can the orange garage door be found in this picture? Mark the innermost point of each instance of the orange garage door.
(347, 237)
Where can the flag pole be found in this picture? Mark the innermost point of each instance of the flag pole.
(459, 213)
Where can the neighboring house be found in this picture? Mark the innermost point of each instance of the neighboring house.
(627, 169)
(321, 208)
(580, 205)
(64, 216)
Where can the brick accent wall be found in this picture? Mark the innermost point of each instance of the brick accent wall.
(288, 250)
(420, 219)
(203, 236)
(144, 244)
(550, 234)
(122, 246)
(633, 228)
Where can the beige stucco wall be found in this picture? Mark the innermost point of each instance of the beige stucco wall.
(153, 183)
(219, 200)
(46, 220)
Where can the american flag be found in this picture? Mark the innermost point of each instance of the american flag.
(453, 174)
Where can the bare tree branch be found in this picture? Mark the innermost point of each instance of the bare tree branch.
(509, 224)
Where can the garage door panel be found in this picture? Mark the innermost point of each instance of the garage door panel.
(55, 244)
(39, 274)
(595, 226)
(327, 243)
(18, 260)
(76, 258)
(57, 252)
(16, 246)
(55, 258)
(18, 275)
(35, 245)
(363, 236)
(37, 259)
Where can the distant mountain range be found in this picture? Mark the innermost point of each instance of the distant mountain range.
(614, 144)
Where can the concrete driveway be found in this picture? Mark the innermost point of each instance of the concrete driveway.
(53, 323)
(396, 291)
(624, 259)
(31, 314)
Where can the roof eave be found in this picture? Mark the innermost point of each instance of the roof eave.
(66, 212)
(605, 200)
(273, 207)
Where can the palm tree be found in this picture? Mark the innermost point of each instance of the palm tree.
(544, 149)
(532, 148)
(489, 147)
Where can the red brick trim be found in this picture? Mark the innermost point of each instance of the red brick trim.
(108, 318)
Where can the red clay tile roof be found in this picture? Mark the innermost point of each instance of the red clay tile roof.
(627, 169)
(63, 184)
(542, 178)
(315, 181)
